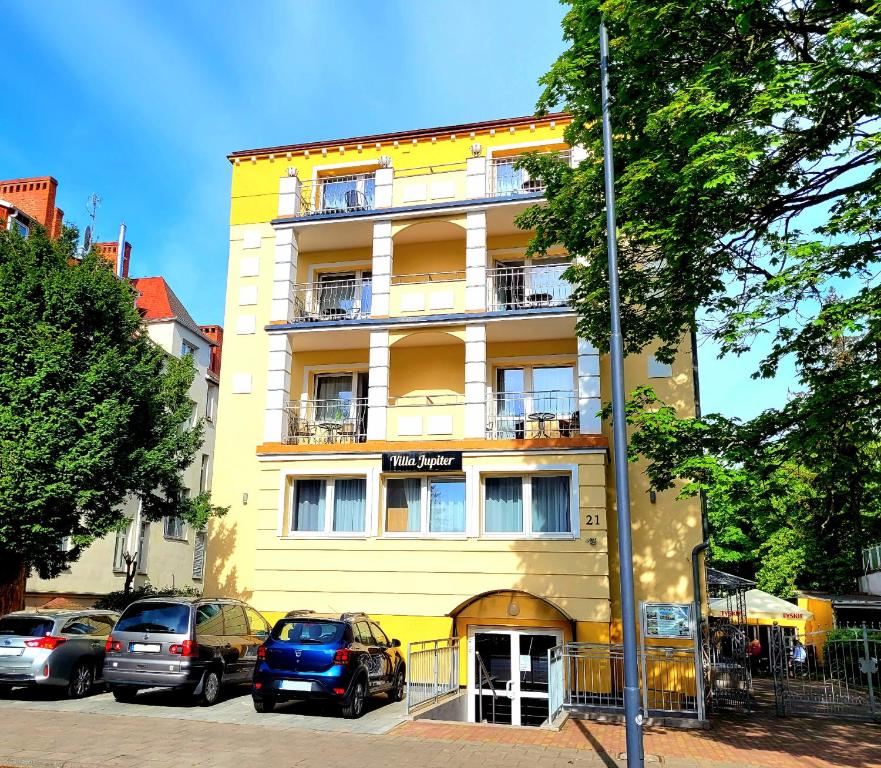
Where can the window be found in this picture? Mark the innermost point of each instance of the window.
(329, 505)
(344, 294)
(307, 631)
(209, 620)
(234, 622)
(524, 392)
(175, 527)
(143, 545)
(529, 505)
(19, 226)
(203, 474)
(199, 555)
(363, 634)
(256, 623)
(120, 547)
(526, 283)
(378, 635)
(425, 505)
(211, 402)
(188, 349)
(165, 618)
(88, 625)
(659, 370)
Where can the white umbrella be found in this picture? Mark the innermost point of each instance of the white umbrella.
(760, 605)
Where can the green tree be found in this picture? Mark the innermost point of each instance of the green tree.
(748, 184)
(91, 411)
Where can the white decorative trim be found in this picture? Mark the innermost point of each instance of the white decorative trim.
(246, 324)
(247, 295)
(241, 384)
(249, 267)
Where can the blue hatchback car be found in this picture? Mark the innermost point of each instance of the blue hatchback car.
(342, 657)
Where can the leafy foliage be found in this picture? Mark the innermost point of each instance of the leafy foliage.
(91, 411)
(748, 184)
(122, 599)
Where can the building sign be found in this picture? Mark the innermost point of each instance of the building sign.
(668, 620)
(422, 461)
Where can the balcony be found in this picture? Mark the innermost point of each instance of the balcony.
(338, 194)
(321, 422)
(532, 415)
(439, 416)
(348, 298)
(519, 286)
(504, 179)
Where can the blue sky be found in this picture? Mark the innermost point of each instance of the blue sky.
(140, 102)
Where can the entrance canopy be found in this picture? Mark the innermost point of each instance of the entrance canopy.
(760, 605)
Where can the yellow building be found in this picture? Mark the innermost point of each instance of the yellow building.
(409, 422)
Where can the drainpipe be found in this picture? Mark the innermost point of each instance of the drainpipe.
(698, 624)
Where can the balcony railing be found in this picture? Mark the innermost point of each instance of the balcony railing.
(527, 287)
(504, 178)
(529, 415)
(339, 420)
(338, 194)
(346, 299)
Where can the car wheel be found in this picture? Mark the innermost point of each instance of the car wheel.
(264, 704)
(124, 693)
(81, 680)
(353, 707)
(210, 688)
(397, 691)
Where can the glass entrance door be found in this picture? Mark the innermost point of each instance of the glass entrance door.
(508, 677)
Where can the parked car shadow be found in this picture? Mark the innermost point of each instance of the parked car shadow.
(45, 693)
(320, 708)
(169, 697)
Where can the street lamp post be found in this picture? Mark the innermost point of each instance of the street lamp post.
(632, 714)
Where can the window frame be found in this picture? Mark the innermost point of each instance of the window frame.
(526, 475)
(424, 531)
(188, 348)
(120, 537)
(203, 536)
(182, 535)
(327, 531)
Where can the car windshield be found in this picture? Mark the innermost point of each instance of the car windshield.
(308, 632)
(162, 618)
(25, 626)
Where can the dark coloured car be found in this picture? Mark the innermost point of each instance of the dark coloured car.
(55, 648)
(339, 657)
(195, 645)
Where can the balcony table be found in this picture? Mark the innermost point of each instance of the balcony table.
(539, 299)
(541, 418)
(331, 427)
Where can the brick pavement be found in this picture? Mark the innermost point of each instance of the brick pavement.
(65, 739)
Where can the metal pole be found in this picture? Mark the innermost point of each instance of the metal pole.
(632, 714)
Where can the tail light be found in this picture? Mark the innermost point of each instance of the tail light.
(342, 656)
(261, 653)
(186, 648)
(112, 645)
(49, 642)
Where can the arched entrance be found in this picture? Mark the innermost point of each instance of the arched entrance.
(508, 634)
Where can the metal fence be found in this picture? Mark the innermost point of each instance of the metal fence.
(347, 298)
(521, 286)
(338, 194)
(527, 415)
(338, 420)
(505, 178)
(829, 672)
(432, 671)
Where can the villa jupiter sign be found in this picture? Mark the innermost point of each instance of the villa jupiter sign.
(422, 461)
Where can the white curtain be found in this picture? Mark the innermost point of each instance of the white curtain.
(405, 493)
(309, 505)
(348, 504)
(503, 509)
(550, 504)
(447, 509)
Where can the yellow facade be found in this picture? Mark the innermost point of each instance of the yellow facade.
(379, 301)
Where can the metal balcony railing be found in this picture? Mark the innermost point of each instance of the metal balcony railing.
(338, 194)
(529, 415)
(503, 178)
(332, 300)
(339, 420)
(527, 287)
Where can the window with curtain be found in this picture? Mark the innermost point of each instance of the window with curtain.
(334, 396)
(446, 505)
(349, 505)
(403, 505)
(527, 505)
(308, 512)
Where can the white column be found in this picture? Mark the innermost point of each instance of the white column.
(576, 155)
(588, 388)
(284, 274)
(382, 267)
(475, 381)
(475, 261)
(289, 195)
(278, 388)
(475, 178)
(382, 190)
(377, 386)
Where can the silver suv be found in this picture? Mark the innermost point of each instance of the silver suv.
(192, 644)
(61, 648)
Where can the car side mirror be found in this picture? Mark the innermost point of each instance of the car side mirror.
(396, 643)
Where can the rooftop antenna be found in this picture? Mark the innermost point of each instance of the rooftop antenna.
(92, 204)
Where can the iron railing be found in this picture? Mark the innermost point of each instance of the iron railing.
(872, 558)
(432, 671)
(527, 287)
(345, 299)
(528, 415)
(337, 420)
(338, 194)
(505, 178)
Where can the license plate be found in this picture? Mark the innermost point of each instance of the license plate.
(145, 648)
(11, 651)
(294, 685)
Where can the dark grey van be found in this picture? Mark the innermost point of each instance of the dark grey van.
(195, 645)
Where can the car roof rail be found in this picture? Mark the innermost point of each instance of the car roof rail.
(299, 612)
(353, 615)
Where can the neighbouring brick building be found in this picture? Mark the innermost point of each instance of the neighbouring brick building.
(25, 202)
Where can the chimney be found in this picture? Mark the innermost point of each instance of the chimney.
(35, 197)
(214, 333)
(109, 252)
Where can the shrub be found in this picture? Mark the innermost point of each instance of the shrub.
(119, 600)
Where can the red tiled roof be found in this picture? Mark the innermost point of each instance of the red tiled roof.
(157, 301)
